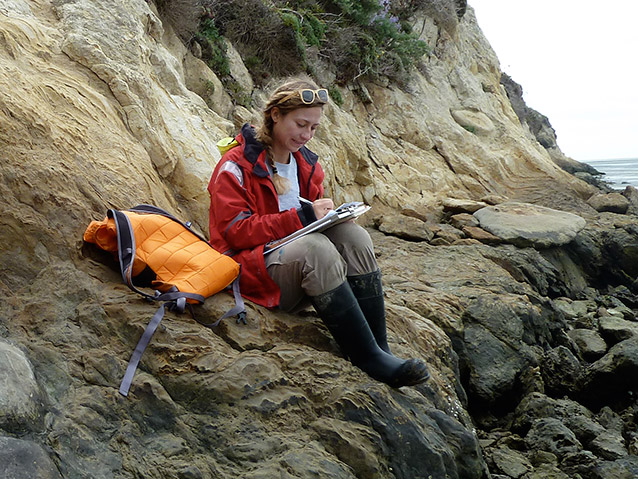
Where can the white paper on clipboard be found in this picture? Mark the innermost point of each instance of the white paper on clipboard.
(345, 212)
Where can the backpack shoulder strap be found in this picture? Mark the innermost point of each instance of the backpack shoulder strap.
(126, 249)
(125, 385)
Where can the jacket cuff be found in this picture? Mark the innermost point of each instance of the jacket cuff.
(306, 214)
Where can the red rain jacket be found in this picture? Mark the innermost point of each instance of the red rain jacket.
(244, 211)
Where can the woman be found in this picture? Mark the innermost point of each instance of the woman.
(257, 195)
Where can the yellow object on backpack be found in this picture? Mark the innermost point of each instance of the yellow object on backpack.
(226, 144)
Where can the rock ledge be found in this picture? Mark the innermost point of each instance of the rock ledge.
(524, 224)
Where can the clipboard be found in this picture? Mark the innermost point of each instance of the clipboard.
(345, 212)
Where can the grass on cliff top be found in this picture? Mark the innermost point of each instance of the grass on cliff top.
(355, 39)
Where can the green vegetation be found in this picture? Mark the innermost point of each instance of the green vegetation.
(352, 39)
(214, 52)
(335, 95)
(214, 47)
(358, 38)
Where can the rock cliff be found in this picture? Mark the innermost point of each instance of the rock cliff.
(532, 349)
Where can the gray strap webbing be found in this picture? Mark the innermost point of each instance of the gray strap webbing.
(139, 350)
(238, 310)
(175, 301)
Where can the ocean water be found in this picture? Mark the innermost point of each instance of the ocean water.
(618, 173)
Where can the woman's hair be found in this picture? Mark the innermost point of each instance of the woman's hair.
(290, 102)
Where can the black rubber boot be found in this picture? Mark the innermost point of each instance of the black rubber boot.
(342, 315)
(368, 290)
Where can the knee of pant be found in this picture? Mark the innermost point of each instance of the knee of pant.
(351, 234)
(360, 237)
(321, 248)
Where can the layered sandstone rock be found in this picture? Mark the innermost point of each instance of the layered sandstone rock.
(98, 109)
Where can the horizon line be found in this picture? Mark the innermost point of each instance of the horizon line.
(611, 159)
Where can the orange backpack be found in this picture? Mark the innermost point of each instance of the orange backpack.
(187, 269)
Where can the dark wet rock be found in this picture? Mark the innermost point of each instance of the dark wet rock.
(509, 462)
(579, 464)
(610, 419)
(538, 405)
(435, 442)
(589, 321)
(21, 459)
(624, 468)
(538, 457)
(608, 255)
(631, 193)
(572, 309)
(496, 352)
(612, 377)
(20, 396)
(616, 307)
(596, 180)
(545, 271)
(546, 471)
(616, 329)
(547, 421)
(621, 244)
(537, 123)
(584, 426)
(590, 344)
(609, 445)
(561, 371)
(550, 434)
(623, 294)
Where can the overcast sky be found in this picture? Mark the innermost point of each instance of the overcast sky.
(577, 61)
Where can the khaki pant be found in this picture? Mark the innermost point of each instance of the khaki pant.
(320, 262)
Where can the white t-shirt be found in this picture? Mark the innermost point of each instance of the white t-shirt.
(289, 170)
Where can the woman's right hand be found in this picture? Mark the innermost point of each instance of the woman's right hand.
(322, 207)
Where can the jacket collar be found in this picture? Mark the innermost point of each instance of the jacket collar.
(254, 151)
(256, 155)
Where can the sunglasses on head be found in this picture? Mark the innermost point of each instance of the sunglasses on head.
(308, 96)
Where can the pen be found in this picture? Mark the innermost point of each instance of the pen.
(304, 200)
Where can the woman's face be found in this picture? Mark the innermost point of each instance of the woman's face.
(294, 129)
